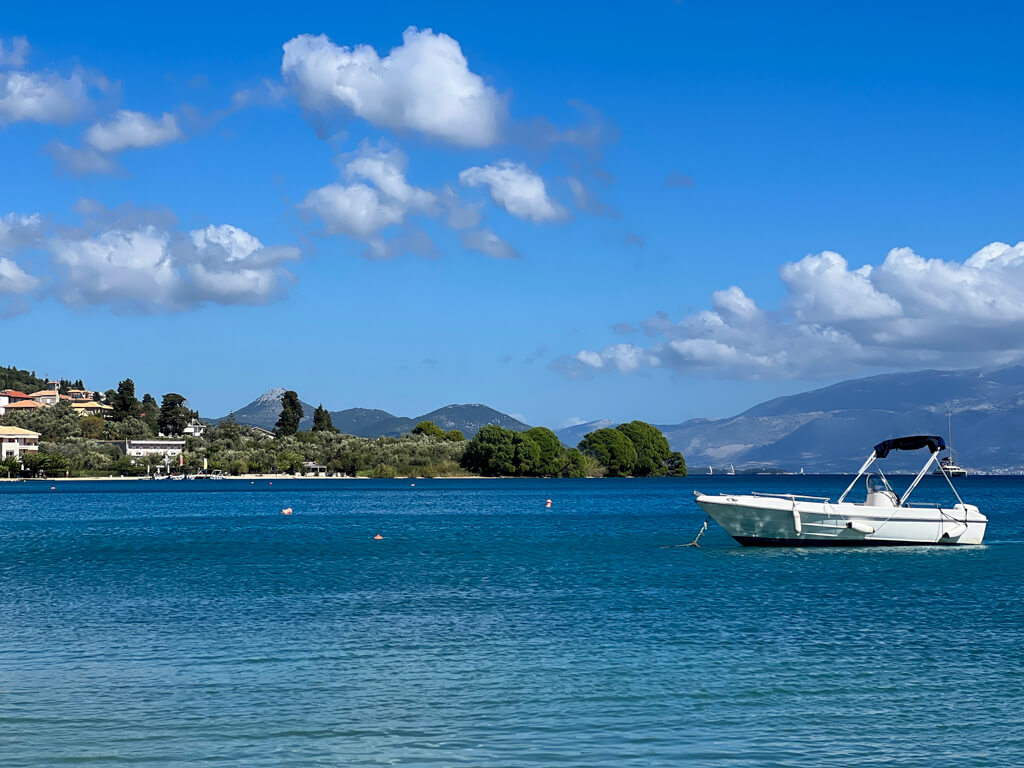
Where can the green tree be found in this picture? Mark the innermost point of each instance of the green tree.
(92, 427)
(430, 429)
(575, 464)
(454, 436)
(23, 381)
(59, 422)
(46, 463)
(289, 461)
(150, 412)
(550, 459)
(676, 464)
(125, 405)
(527, 454)
(491, 452)
(174, 415)
(322, 420)
(11, 466)
(612, 448)
(291, 414)
(652, 448)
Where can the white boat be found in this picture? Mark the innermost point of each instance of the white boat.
(948, 464)
(883, 518)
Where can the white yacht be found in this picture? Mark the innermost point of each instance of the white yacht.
(883, 518)
(948, 464)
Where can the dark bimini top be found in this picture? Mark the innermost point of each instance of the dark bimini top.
(910, 443)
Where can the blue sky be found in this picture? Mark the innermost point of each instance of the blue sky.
(658, 211)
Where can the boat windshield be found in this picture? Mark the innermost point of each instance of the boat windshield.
(876, 484)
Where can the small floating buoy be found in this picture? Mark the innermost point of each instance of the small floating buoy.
(286, 511)
(412, 485)
(378, 537)
(53, 487)
(548, 503)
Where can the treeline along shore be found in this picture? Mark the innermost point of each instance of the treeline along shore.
(76, 444)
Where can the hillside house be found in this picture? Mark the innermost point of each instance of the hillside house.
(23, 405)
(90, 408)
(14, 441)
(46, 397)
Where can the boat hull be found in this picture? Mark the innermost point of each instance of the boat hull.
(775, 521)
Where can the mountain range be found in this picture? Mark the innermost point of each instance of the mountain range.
(831, 429)
(369, 422)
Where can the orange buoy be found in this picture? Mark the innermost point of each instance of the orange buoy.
(286, 511)
(378, 537)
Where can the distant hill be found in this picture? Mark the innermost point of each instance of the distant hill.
(571, 436)
(354, 421)
(468, 419)
(265, 410)
(23, 381)
(367, 422)
(832, 429)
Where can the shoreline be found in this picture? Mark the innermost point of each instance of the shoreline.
(121, 478)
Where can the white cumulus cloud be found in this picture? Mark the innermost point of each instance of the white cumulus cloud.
(356, 210)
(909, 312)
(424, 85)
(15, 280)
(132, 130)
(42, 97)
(146, 267)
(119, 266)
(516, 188)
(359, 210)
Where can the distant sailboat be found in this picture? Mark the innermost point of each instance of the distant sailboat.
(948, 464)
(711, 471)
(732, 470)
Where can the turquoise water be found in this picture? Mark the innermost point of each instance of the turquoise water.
(191, 623)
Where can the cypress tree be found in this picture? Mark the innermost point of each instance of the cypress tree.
(291, 414)
(322, 420)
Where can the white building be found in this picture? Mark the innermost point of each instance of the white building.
(150, 447)
(195, 427)
(15, 441)
(46, 397)
(5, 400)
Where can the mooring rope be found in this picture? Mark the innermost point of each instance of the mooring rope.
(693, 543)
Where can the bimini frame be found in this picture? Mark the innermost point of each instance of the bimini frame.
(933, 443)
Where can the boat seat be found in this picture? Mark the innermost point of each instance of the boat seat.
(881, 498)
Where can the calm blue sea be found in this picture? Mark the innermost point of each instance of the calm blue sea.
(178, 624)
